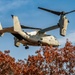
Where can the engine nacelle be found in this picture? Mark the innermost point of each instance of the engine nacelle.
(63, 23)
(16, 42)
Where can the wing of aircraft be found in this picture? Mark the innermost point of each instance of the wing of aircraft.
(27, 27)
(11, 29)
(48, 29)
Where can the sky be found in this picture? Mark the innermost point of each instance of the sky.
(30, 15)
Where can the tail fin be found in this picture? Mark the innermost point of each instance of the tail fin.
(16, 22)
(1, 34)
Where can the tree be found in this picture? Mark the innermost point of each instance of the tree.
(47, 61)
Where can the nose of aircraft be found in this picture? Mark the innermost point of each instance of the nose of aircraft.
(57, 43)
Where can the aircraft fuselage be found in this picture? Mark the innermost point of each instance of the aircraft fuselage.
(36, 39)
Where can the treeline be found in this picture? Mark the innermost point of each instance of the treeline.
(47, 61)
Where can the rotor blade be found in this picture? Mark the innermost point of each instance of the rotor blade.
(48, 29)
(69, 12)
(54, 12)
(26, 27)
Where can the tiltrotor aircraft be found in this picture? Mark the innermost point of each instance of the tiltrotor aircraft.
(37, 37)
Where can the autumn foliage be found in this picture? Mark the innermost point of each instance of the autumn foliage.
(47, 61)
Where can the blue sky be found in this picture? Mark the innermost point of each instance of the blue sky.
(30, 15)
